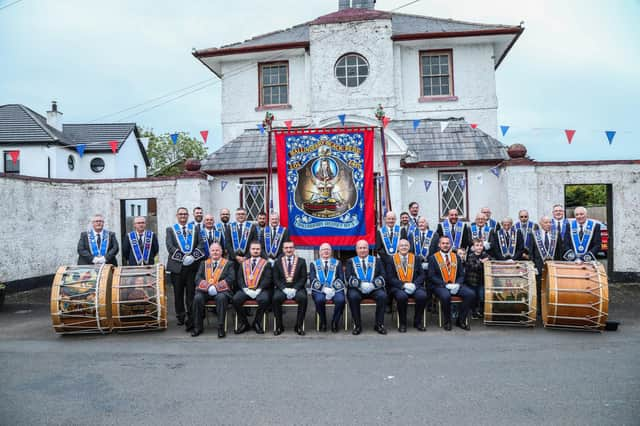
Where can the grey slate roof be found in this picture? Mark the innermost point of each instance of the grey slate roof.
(97, 136)
(459, 142)
(19, 124)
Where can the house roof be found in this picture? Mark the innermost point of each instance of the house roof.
(20, 124)
(98, 136)
(427, 144)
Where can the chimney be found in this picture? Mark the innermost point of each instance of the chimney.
(54, 117)
(356, 4)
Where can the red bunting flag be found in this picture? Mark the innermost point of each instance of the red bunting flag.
(114, 146)
(204, 134)
(14, 156)
(570, 134)
(474, 125)
(288, 123)
(385, 121)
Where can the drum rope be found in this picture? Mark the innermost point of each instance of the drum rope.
(98, 298)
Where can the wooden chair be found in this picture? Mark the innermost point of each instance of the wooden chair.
(251, 304)
(209, 307)
(345, 315)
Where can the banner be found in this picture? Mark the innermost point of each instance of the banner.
(325, 180)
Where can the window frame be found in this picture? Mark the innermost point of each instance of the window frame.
(346, 76)
(464, 217)
(438, 52)
(243, 181)
(7, 162)
(261, 65)
(104, 165)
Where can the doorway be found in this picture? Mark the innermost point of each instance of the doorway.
(129, 209)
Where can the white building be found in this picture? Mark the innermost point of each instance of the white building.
(48, 148)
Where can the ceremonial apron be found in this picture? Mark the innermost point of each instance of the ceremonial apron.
(93, 245)
(213, 275)
(141, 256)
(581, 246)
(448, 272)
(546, 253)
(289, 273)
(422, 246)
(240, 242)
(526, 232)
(404, 274)
(475, 231)
(185, 242)
(371, 266)
(271, 247)
(326, 279)
(507, 249)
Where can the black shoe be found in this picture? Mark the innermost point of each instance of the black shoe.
(402, 328)
(380, 329)
(323, 327)
(258, 328)
(195, 332)
(180, 321)
(243, 329)
(357, 330)
(463, 325)
(334, 327)
(188, 328)
(420, 327)
(221, 332)
(278, 331)
(447, 326)
(300, 331)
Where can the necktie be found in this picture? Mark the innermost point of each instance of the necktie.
(99, 240)
(253, 263)
(453, 233)
(448, 261)
(581, 233)
(364, 266)
(480, 233)
(215, 265)
(546, 241)
(240, 230)
(422, 236)
(210, 236)
(140, 240)
(507, 238)
(326, 267)
(290, 266)
(273, 234)
(184, 231)
(404, 262)
(391, 234)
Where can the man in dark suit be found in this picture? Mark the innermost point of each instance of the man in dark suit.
(457, 231)
(210, 233)
(582, 241)
(254, 282)
(387, 238)
(559, 221)
(97, 245)
(525, 227)
(275, 236)
(446, 273)
(215, 279)
(547, 245)
(240, 233)
(406, 279)
(365, 278)
(140, 247)
(506, 242)
(289, 279)
(327, 283)
(184, 248)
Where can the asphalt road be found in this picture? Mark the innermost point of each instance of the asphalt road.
(488, 376)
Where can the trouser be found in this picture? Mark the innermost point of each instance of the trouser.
(338, 306)
(468, 298)
(278, 299)
(478, 290)
(240, 297)
(201, 298)
(355, 296)
(184, 282)
(402, 301)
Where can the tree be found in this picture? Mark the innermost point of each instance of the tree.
(585, 195)
(167, 158)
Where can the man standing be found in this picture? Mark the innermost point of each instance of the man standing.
(446, 274)
(414, 213)
(491, 222)
(97, 246)
(582, 240)
(184, 247)
(215, 279)
(225, 215)
(387, 238)
(481, 230)
(327, 283)
(456, 230)
(547, 246)
(254, 281)
(210, 233)
(365, 277)
(525, 228)
(198, 216)
(274, 237)
(405, 225)
(407, 280)
(507, 243)
(141, 245)
(238, 237)
(424, 242)
(289, 279)
(560, 222)
(261, 224)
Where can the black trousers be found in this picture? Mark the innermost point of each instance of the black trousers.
(184, 282)
(402, 302)
(278, 299)
(355, 296)
(238, 300)
(468, 299)
(201, 298)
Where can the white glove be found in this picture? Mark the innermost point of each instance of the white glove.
(329, 293)
(212, 290)
(326, 290)
(290, 292)
(98, 260)
(247, 291)
(487, 246)
(95, 260)
(188, 260)
(455, 289)
(366, 287)
(272, 261)
(425, 265)
(409, 288)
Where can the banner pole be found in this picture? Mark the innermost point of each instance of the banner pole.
(268, 121)
(380, 115)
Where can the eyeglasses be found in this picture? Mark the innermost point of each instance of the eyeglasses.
(183, 214)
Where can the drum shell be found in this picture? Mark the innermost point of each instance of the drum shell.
(96, 317)
(575, 295)
(143, 314)
(500, 276)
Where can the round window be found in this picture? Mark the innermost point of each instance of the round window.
(71, 162)
(97, 165)
(352, 69)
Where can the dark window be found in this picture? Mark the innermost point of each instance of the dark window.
(453, 192)
(9, 166)
(436, 73)
(252, 196)
(97, 165)
(274, 83)
(71, 162)
(352, 69)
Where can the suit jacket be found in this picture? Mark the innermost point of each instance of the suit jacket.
(128, 258)
(536, 256)
(433, 246)
(418, 274)
(229, 240)
(265, 278)
(313, 274)
(496, 253)
(435, 275)
(285, 237)
(85, 257)
(465, 242)
(594, 245)
(206, 242)
(299, 275)
(564, 225)
(174, 261)
(379, 274)
(228, 274)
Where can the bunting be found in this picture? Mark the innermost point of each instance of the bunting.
(504, 129)
(80, 148)
(427, 185)
(114, 146)
(610, 135)
(416, 123)
(14, 156)
(205, 135)
(261, 128)
(342, 118)
(288, 123)
(443, 125)
(495, 170)
(569, 134)
(174, 138)
(223, 185)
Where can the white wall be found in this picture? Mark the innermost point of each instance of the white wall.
(128, 156)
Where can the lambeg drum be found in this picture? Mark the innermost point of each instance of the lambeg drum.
(510, 293)
(81, 300)
(575, 295)
(139, 301)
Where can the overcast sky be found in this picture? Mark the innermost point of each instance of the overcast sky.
(576, 66)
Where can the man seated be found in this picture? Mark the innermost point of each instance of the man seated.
(582, 241)
(289, 279)
(327, 283)
(446, 274)
(254, 282)
(507, 243)
(406, 279)
(365, 276)
(214, 280)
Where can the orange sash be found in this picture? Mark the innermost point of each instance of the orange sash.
(406, 276)
(213, 275)
(448, 274)
(252, 278)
